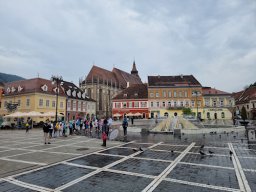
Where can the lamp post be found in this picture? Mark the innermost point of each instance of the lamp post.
(196, 93)
(58, 80)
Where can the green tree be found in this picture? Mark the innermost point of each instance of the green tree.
(187, 111)
(243, 113)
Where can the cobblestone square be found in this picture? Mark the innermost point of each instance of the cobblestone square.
(79, 163)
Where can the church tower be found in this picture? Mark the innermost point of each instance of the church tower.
(134, 71)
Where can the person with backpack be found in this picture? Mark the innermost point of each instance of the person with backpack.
(125, 125)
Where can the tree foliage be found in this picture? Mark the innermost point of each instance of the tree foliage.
(187, 111)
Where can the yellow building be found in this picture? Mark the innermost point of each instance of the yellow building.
(33, 95)
(217, 104)
(170, 94)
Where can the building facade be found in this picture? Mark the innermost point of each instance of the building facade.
(132, 102)
(217, 104)
(102, 85)
(246, 99)
(78, 104)
(33, 95)
(170, 94)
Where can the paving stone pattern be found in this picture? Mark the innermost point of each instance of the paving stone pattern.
(6, 186)
(206, 175)
(167, 186)
(147, 167)
(192, 172)
(55, 176)
(96, 160)
(159, 155)
(224, 161)
(107, 181)
(119, 151)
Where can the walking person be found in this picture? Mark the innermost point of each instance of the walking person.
(104, 132)
(51, 130)
(46, 128)
(125, 125)
(28, 124)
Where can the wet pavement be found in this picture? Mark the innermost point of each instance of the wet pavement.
(164, 163)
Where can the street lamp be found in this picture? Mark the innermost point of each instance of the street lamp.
(196, 93)
(58, 80)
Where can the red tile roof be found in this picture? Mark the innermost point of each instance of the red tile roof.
(173, 81)
(208, 91)
(136, 91)
(30, 86)
(116, 77)
(246, 95)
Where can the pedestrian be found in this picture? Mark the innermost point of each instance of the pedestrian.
(51, 129)
(125, 125)
(28, 124)
(132, 119)
(46, 128)
(156, 120)
(70, 127)
(104, 132)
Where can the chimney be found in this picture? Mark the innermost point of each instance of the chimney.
(128, 84)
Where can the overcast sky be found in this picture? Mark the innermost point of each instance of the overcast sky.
(215, 40)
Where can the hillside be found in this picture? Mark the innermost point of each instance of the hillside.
(9, 78)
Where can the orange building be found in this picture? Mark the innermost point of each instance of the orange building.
(170, 94)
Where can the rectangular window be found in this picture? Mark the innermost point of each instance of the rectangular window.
(68, 106)
(207, 102)
(169, 103)
(143, 104)
(169, 94)
(18, 103)
(157, 104)
(221, 103)
(151, 104)
(47, 103)
(118, 105)
(74, 106)
(175, 104)
(84, 106)
(61, 104)
(181, 103)
(130, 104)
(164, 93)
(151, 94)
(214, 104)
(28, 102)
(193, 103)
(180, 94)
(163, 104)
(53, 104)
(136, 104)
(79, 105)
(41, 102)
(124, 105)
(174, 94)
(185, 94)
(157, 94)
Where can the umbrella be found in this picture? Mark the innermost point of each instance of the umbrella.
(51, 114)
(33, 114)
(137, 114)
(129, 114)
(16, 114)
(117, 115)
(113, 134)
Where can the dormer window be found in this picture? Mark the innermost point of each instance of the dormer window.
(74, 93)
(79, 94)
(8, 90)
(69, 92)
(44, 88)
(136, 94)
(20, 88)
(13, 89)
(125, 95)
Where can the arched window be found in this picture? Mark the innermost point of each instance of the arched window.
(208, 115)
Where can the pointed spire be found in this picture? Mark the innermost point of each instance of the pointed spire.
(134, 71)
